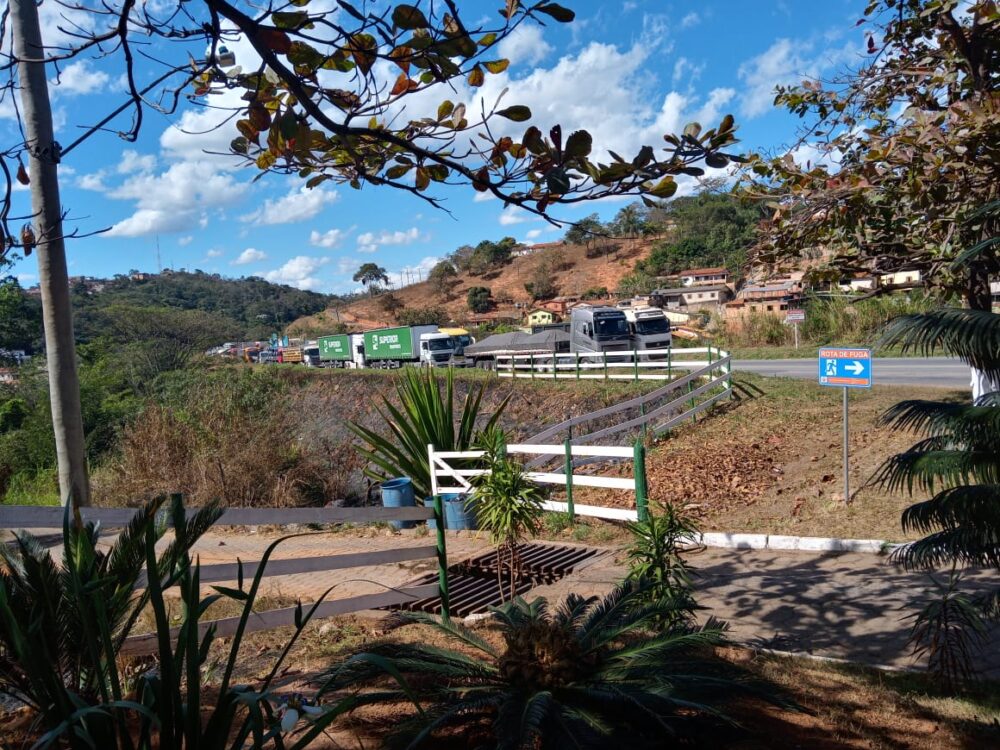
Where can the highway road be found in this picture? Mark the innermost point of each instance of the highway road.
(943, 372)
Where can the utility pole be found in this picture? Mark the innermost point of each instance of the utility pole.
(53, 280)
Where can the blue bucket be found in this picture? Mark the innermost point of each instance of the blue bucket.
(456, 515)
(398, 493)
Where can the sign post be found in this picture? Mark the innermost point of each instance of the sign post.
(845, 368)
(795, 317)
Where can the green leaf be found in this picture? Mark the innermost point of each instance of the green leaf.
(533, 141)
(445, 108)
(423, 178)
(497, 66)
(557, 181)
(236, 594)
(726, 124)
(288, 125)
(692, 129)
(716, 161)
(290, 20)
(394, 173)
(239, 145)
(556, 11)
(476, 76)
(578, 144)
(408, 17)
(665, 188)
(487, 40)
(517, 113)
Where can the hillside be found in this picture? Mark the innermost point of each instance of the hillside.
(575, 274)
(253, 306)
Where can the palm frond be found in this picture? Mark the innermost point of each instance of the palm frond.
(976, 426)
(971, 335)
(929, 465)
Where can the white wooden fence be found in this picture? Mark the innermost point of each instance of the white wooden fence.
(632, 365)
(459, 478)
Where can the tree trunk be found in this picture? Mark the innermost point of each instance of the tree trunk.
(53, 281)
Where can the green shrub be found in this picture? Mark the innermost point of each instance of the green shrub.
(425, 416)
(589, 673)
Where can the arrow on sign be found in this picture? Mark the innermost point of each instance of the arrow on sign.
(855, 368)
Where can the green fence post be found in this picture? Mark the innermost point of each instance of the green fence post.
(531, 364)
(670, 358)
(709, 356)
(568, 464)
(691, 404)
(555, 363)
(642, 413)
(635, 362)
(605, 365)
(639, 470)
(442, 555)
(578, 365)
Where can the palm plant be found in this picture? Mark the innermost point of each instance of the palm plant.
(958, 460)
(425, 416)
(507, 504)
(587, 674)
(655, 556)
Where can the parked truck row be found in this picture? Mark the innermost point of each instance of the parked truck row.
(590, 329)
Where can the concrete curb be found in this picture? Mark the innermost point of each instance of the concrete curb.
(799, 543)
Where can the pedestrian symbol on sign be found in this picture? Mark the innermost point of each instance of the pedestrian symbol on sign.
(831, 368)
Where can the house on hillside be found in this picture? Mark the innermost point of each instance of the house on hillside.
(774, 296)
(704, 276)
(541, 317)
(899, 280)
(707, 297)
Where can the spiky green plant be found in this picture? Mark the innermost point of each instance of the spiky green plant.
(590, 673)
(507, 504)
(655, 556)
(63, 625)
(425, 416)
(62, 631)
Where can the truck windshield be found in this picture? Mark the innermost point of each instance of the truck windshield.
(604, 327)
(652, 325)
(439, 345)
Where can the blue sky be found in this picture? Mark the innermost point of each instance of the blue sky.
(627, 72)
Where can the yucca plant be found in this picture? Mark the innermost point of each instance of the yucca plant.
(166, 707)
(425, 416)
(62, 625)
(589, 673)
(507, 504)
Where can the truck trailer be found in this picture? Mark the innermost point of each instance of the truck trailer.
(395, 347)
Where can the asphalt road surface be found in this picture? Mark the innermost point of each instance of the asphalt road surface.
(942, 372)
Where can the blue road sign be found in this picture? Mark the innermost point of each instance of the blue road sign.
(845, 368)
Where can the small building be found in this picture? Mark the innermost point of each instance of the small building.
(541, 317)
(771, 297)
(693, 297)
(704, 276)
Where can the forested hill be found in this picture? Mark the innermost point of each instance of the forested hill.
(254, 307)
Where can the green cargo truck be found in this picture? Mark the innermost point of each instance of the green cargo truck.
(335, 350)
(394, 347)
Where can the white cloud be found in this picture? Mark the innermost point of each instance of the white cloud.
(79, 78)
(713, 107)
(690, 20)
(533, 234)
(298, 272)
(250, 255)
(369, 242)
(214, 253)
(509, 218)
(784, 63)
(483, 197)
(298, 205)
(185, 241)
(133, 161)
(525, 46)
(330, 238)
(176, 199)
(92, 181)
